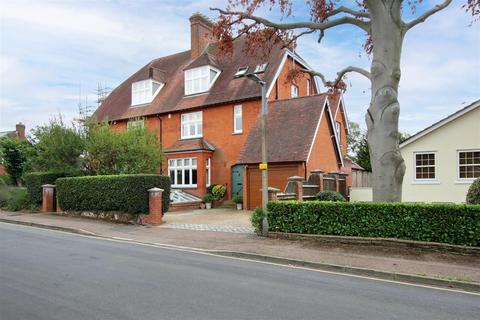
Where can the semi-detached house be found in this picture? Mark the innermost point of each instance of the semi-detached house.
(207, 118)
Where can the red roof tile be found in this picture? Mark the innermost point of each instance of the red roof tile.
(189, 145)
(291, 126)
(171, 98)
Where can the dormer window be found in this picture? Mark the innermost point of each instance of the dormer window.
(200, 79)
(144, 91)
(241, 71)
(260, 68)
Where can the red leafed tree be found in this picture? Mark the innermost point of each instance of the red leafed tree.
(385, 28)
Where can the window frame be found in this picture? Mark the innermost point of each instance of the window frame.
(458, 165)
(425, 180)
(291, 91)
(190, 122)
(308, 86)
(208, 169)
(151, 95)
(133, 122)
(210, 81)
(235, 129)
(183, 168)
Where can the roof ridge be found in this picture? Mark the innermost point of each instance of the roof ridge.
(302, 97)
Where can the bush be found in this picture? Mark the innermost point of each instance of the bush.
(210, 188)
(219, 191)
(208, 198)
(238, 199)
(6, 180)
(256, 219)
(447, 223)
(35, 180)
(124, 193)
(473, 194)
(330, 196)
(13, 199)
(15, 156)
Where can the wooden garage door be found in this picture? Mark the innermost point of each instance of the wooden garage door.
(277, 178)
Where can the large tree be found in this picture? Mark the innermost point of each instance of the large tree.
(385, 27)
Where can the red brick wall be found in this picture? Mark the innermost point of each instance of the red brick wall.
(283, 87)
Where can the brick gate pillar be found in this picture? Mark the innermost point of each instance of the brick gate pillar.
(154, 216)
(272, 193)
(48, 193)
(298, 181)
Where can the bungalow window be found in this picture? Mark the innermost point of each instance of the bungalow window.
(191, 125)
(425, 166)
(294, 91)
(469, 164)
(308, 87)
(237, 119)
(144, 91)
(209, 172)
(200, 79)
(135, 123)
(183, 172)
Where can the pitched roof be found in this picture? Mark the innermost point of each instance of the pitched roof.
(291, 127)
(171, 97)
(8, 133)
(441, 123)
(190, 145)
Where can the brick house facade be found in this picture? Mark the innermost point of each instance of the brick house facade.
(207, 118)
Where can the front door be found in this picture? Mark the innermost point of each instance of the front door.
(237, 180)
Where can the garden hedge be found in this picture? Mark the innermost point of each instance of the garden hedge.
(35, 180)
(446, 223)
(124, 193)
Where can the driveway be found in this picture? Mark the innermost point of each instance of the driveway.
(222, 220)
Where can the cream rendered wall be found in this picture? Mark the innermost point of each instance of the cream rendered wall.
(459, 134)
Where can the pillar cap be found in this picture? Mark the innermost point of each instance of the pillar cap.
(155, 190)
(272, 189)
(295, 178)
(48, 186)
(316, 171)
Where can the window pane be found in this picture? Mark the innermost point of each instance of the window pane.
(179, 162)
(194, 176)
(187, 176)
(179, 177)
(194, 162)
(172, 176)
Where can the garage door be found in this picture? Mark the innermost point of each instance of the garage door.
(277, 178)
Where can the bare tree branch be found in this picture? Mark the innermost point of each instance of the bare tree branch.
(364, 25)
(343, 9)
(340, 75)
(427, 14)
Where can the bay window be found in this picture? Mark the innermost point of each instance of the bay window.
(209, 172)
(183, 172)
(191, 126)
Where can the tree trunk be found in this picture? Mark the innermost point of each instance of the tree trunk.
(382, 116)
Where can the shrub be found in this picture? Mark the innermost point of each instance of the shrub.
(447, 223)
(329, 196)
(210, 188)
(35, 180)
(13, 199)
(473, 194)
(125, 193)
(238, 199)
(219, 191)
(15, 155)
(6, 180)
(256, 219)
(208, 198)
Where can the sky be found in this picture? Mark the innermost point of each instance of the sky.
(55, 53)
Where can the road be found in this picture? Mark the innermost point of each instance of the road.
(51, 275)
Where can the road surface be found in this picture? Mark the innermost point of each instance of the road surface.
(51, 275)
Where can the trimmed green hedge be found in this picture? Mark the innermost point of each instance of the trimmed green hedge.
(35, 180)
(447, 223)
(125, 193)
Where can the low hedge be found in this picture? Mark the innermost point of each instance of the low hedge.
(446, 223)
(35, 180)
(125, 193)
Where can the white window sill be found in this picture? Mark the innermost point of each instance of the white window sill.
(426, 182)
(464, 181)
(190, 186)
(239, 132)
(190, 138)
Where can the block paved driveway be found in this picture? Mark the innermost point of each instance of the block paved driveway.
(216, 220)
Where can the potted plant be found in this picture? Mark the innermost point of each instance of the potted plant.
(218, 192)
(208, 198)
(239, 201)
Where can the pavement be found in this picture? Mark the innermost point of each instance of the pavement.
(55, 275)
(449, 266)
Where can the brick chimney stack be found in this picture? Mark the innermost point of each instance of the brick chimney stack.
(200, 33)
(20, 128)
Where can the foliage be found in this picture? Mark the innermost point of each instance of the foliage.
(363, 154)
(353, 138)
(13, 198)
(14, 156)
(35, 180)
(58, 147)
(210, 188)
(132, 151)
(330, 196)
(125, 193)
(219, 191)
(473, 194)
(256, 219)
(238, 199)
(208, 198)
(7, 180)
(446, 223)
